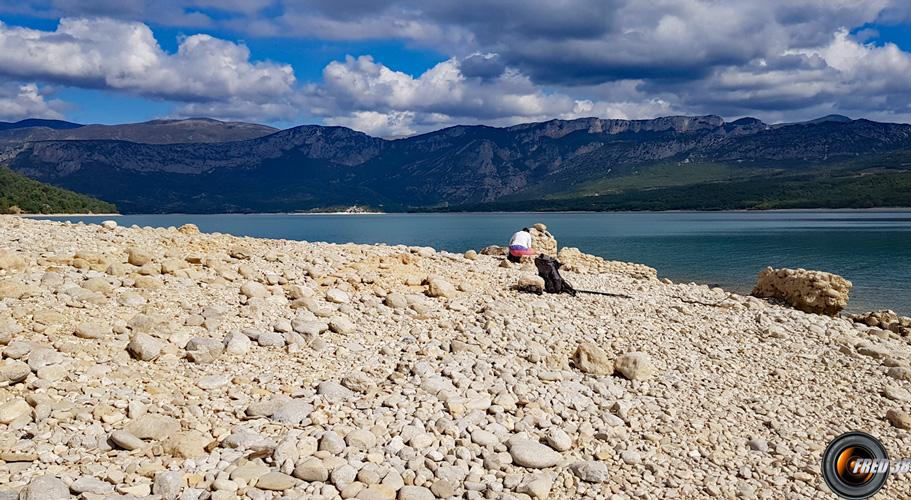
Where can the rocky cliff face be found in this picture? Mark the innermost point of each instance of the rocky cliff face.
(59, 159)
(560, 128)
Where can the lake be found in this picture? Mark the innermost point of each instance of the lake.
(728, 249)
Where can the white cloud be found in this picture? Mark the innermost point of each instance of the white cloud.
(509, 61)
(124, 56)
(19, 101)
(391, 124)
(366, 95)
(779, 60)
(843, 75)
(577, 41)
(867, 63)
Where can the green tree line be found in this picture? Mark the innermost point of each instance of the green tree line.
(19, 194)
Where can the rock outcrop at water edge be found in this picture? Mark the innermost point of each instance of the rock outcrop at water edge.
(574, 259)
(815, 292)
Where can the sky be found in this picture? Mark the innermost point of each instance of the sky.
(395, 68)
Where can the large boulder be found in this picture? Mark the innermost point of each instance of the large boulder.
(809, 291)
(542, 241)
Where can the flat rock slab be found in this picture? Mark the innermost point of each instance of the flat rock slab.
(276, 481)
(126, 440)
(532, 454)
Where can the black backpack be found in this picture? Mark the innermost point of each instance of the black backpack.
(549, 269)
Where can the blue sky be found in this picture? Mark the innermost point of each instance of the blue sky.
(399, 67)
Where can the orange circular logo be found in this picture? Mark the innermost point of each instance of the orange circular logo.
(855, 465)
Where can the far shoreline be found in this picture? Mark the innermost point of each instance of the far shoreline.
(545, 212)
(32, 216)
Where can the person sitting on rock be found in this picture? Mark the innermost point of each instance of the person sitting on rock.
(519, 245)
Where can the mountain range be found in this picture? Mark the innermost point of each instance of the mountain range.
(676, 162)
(191, 130)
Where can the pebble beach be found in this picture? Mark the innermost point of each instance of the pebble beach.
(169, 363)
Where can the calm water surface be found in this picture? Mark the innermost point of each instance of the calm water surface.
(871, 248)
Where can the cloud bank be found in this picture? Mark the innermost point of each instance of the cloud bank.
(365, 95)
(506, 61)
(125, 56)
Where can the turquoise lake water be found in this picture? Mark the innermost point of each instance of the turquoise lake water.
(728, 249)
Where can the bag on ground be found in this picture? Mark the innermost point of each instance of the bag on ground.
(549, 269)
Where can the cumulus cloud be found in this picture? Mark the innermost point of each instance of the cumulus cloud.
(779, 59)
(25, 100)
(843, 75)
(125, 56)
(366, 95)
(389, 124)
(581, 41)
(566, 42)
(508, 61)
